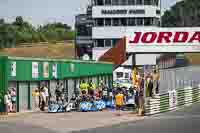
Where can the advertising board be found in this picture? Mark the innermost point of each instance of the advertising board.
(159, 40)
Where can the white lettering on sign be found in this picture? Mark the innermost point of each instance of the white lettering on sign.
(122, 11)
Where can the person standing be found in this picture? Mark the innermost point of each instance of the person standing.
(119, 101)
(43, 100)
(91, 88)
(141, 97)
(46, 92)
(155, 82)
(84, 86)
(6, 102)
(58, 92)
(62, 88)
(148, 86)
(13, 99)
(101, 85)
(36, 95)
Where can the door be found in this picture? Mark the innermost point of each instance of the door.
(33, 86)
(23, 96)
(78, 86)
(70, 88)
(53, 84)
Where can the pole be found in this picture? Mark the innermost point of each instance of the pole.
(160, 13)
(134, 69)
(75, 42)
(144, 70)
(133, 61)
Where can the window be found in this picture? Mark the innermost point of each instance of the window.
(116, 22)
(139, 2)
(100, 2)
(115, 2)
(131, 22)
(139, 21)
(108, 2)
(107, 43)
(147, 2)
(119, 74)
(100, 43)
(100, 22)
(156, 2)
(123, 22)
(148, 21)
(108, 22)
(123, 2)
(82, 30)
(158, 12)
(131, 2)
(156, 21)
(126, 75)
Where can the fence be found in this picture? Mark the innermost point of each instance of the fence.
(172, 100)
(176, 78)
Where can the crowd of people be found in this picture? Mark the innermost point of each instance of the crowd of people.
(90, 92)
(117, 97)
(149, 81)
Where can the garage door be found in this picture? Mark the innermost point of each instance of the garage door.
(33, 86)
(70, 88)
(53, 84)
(23, 96)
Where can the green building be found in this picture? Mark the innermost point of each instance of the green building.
(26, 74)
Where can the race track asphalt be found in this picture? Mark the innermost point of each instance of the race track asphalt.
(185, 120)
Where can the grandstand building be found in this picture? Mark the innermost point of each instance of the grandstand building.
(106, 21)
(110, 21)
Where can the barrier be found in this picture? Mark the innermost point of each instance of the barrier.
(172, 100)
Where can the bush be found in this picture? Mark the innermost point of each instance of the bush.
(2, 101)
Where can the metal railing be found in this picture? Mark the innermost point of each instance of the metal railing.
(176, 78)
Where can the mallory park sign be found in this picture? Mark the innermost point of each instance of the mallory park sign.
(122, 12)
(159, 40)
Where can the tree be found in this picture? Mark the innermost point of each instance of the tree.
(56, 31)
(2, 21)
(184, 13)
(19, 21)
(21, 31)
(7, 36)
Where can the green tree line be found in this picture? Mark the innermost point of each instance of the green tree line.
(21, 31)
(184, 14)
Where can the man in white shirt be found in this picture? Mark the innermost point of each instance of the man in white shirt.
(43, 100)
(8, 102)
(46, 93)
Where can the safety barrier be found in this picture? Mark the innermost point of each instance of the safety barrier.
(172, 100)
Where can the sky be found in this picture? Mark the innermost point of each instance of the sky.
(40, 12)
